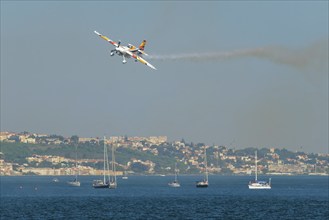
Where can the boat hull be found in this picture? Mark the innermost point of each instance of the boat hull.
(98, 184)
(75, 183)
(259, 186)
(101, 186)
(202, 184)
(174, 184)
(113, 185)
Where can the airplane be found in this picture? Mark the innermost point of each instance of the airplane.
(128, 51)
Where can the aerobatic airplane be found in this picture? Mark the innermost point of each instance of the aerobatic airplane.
(128, 51)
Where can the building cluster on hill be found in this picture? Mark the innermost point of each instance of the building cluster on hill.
(189, 156)
(33, 138)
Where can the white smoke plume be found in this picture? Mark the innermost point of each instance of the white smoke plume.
(313, 56)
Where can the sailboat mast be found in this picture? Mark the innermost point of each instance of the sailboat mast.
(205, 159)
(115, 170)
(113, 165)
(107, 163)
(175, 172)
(256, 165)
(76, 163)
(104, 165)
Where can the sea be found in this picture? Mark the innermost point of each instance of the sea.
(150, 197)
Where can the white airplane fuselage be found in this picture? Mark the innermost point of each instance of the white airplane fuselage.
(122, 51)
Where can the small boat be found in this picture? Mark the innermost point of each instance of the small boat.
(55, 180)
(125, 176)
(256, 184)
(75, 182)
(113, 185)
(204, 183)
(99, 184)
(260, 184)
(175, 183)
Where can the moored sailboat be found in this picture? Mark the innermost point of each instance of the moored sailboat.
(175, 183)
(75, 182)
(256, 184)
(97, 184)
(204, 183)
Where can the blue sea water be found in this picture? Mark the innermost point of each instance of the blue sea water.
(149, 197)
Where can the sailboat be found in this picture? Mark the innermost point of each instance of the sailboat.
(113, 178)
(75, 182)
(175, 183)
(256, 184)
(204, 183)
(97, 184)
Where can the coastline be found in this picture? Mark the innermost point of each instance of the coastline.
(120, 173)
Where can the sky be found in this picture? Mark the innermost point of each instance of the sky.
(239, 74)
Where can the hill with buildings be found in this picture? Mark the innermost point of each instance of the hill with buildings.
(28, 153)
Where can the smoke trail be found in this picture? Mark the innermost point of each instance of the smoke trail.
(313, 56)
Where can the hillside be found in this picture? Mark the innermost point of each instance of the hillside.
(148, 158)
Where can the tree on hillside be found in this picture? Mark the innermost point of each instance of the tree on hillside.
(74, 139)
(59, 137)
(138, 167)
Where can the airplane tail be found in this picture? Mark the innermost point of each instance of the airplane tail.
(142, 45)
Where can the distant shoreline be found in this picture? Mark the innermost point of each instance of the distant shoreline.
(269, 174)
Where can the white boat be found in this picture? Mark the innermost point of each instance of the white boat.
(113, 178)
(75, 182)
(175, 183)
(204, 183)
(98, 184)
(113, 185)
(256, 184)
(125, 176)
(55, 180)
(260, 185)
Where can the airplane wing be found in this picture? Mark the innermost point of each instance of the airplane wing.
(107, 39)
(142, 52)
(140, 59)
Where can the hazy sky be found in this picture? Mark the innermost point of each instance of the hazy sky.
(240, 74)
